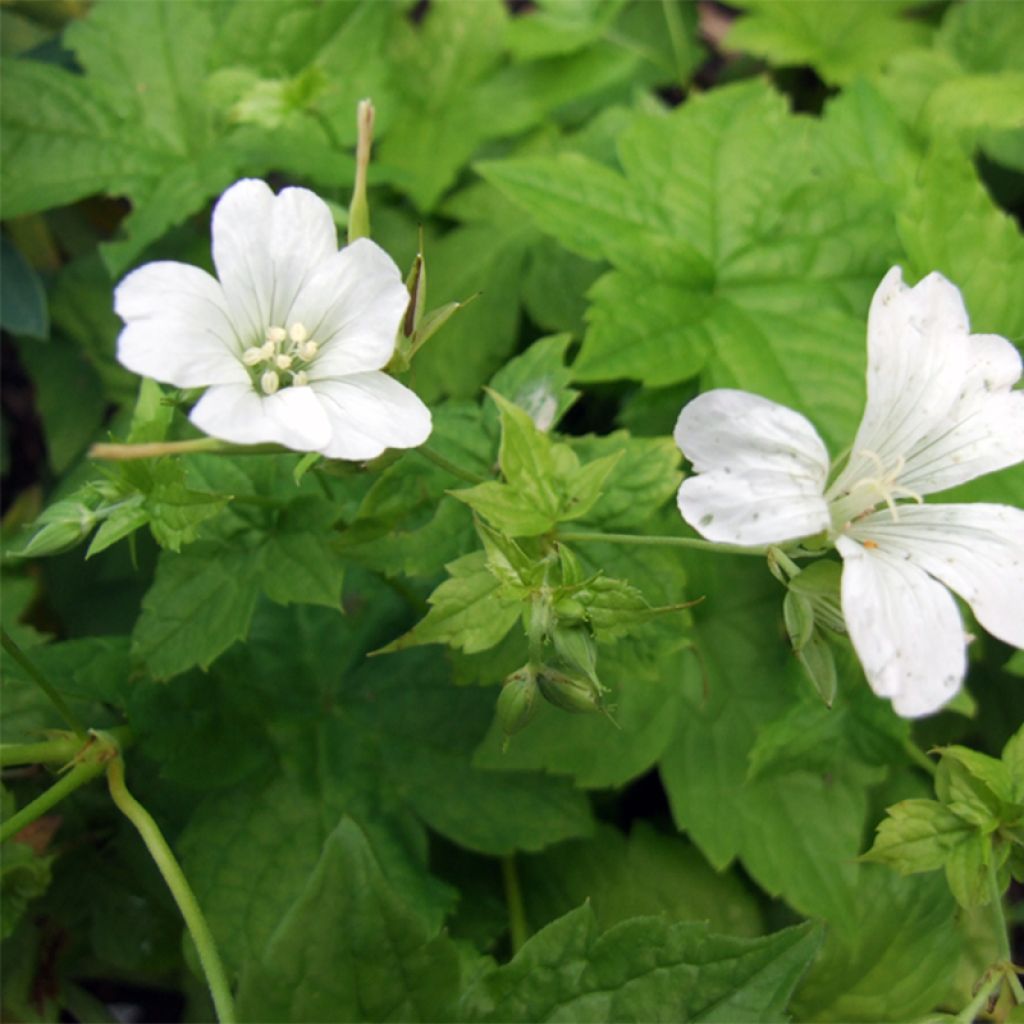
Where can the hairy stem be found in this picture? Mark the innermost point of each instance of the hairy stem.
(517, 929)
(11, 647)
(165, 861)
(449, 467)
(659, 541)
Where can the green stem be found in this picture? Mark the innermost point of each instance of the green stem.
(161, 853)
(518, 932)
(198, 445)
(39, 679)
(449, 467)
(997, 912)
(970, 1012)
(661, 541)
(919, 757)
(1015, 986)
(79, 775)
(56, 751)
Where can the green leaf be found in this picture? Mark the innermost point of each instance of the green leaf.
(967, 867)
(919, 835)
(723, 230)
(642, 969)
(951, 224)
(200, 603)
(538, 381)
(974, 780)
(300, 563)
(646, 873)
(1013, 759)
(23, 308)
(840, 40)
(471, 610)
(796, 832)
(895, 963)
(348, 949)
(24, 876)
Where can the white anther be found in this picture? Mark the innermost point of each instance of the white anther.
(275, 335)
(269, 349)
(298, 333)
(270, 382)
(253, 356)
(300, 379)
(283, 362)
(308, 350)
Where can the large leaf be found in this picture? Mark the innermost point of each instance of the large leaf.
(349, 950)
(644, 969)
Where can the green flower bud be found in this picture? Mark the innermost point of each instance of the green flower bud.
(517, 702)
(575, 646)
(569, 692)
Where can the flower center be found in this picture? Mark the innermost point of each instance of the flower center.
(282, 360)
(868, 490)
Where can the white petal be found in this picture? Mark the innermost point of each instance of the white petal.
(918, 355)
(370, 412)
(905, 628)
(984, 430)
(178, 329)
(762, 469)
(242, 256)
(976, 550)
(293, 417)
(302, 238)
(353, 306)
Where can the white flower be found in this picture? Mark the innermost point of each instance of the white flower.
(940, 411)
(290, 341)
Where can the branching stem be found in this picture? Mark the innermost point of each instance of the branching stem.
(78, 776)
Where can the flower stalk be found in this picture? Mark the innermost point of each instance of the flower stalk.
(160, 851)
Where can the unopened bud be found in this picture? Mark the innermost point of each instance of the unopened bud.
(569, 692)
(517, 702)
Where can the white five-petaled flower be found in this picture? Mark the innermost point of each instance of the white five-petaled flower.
(940, 411)
(289, 340)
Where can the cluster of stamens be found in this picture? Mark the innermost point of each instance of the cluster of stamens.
(867, 492)
(282, 360)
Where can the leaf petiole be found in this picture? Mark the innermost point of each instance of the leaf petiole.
(660, 541)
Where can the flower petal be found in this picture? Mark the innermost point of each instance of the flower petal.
(918, 354)
(177, 327)
(905, 628)
(353, 306)
(761, 470)
(370, 412)
(293, 417)
(242, 256)
(984, 430)
(266, 248)
(976, 550)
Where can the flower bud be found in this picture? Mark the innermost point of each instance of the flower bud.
(517, 702)
(569, 692)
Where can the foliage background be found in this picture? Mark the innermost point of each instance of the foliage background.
(646, 207)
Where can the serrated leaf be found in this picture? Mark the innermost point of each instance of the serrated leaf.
(471, 610)
(538, 381)
(200, 603)
(349, 950)
(949, 223)
(918, 835)
(630, 876)
(840, 40)
(300, 563)
(642, 969)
